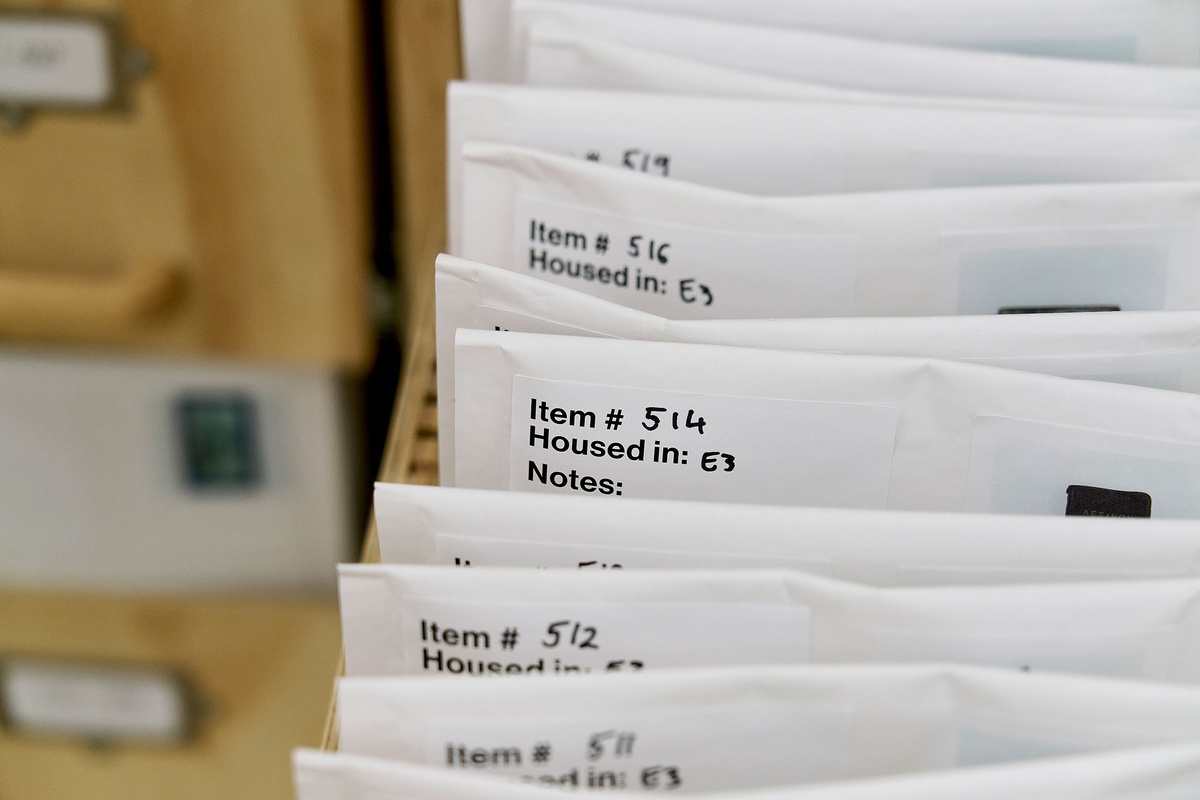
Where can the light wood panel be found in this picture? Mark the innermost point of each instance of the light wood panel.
(411, 454)
(242, 162)
(423, 57)
(265, 665)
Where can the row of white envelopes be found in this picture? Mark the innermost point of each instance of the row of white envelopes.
(654, 586)
(989, 733)
(766, 472)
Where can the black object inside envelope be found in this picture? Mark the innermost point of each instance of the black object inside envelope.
(1053, 309)
(1094, 501)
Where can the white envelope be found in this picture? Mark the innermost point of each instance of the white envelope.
(559, 58)
(1168, 772)
(479, 528)
(684, 251)
(729, 728)
(833, 60)
(1144, 31)
(472, 623)
(614, 418)
(1155, 349)
(771, 147)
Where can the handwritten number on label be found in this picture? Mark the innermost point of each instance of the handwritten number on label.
(621, 744)
(596, 744)
(637, 159)
(661, 778)
(580, 636)
(692, 292)
(710, 462)
(653, 250)
(652, 420)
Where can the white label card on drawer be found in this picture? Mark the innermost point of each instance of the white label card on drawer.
(632, 442)
(454, 637)
(714, 747)
(96, 702)
(684, 272)
(57, 60)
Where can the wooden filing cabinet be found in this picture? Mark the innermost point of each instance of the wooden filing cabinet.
(221, 213)
(261, 668)
(217, 213)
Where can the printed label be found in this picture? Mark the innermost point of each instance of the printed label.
(1093, 501)
(681, 272)
(52, 61)
(620, 441)
(706, 748)
(473, 551)
(453, 637)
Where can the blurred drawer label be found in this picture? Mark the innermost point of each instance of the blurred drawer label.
(95, 702)
(59, 60)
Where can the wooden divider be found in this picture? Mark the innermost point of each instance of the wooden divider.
(423, 57)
